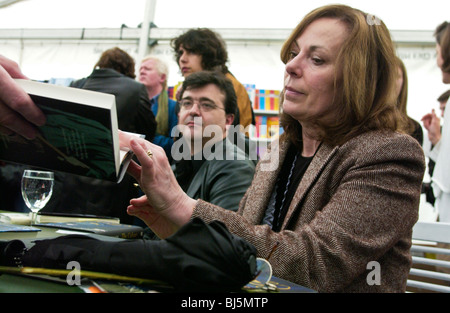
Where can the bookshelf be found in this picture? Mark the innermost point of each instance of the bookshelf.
(266, 112)
(172, 91)
(266, 106)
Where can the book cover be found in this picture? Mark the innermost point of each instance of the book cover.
(48, 217)
(170, 92)
(263, 127)
(262, 99)
(174, 90)
(269, 100)
(258, 121)
(276, 100)
(256, 100)
(273, 126)
(80, 136)
(251, 91)
(101, 228)
(5, 227)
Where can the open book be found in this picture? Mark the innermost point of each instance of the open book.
(80, 136)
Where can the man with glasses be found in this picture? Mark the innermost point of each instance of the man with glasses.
(207, 165)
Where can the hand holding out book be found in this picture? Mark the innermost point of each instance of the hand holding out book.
(18, 113)
(165, 207)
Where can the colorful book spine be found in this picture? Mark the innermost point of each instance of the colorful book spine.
(251, 91)
(263, 127)
(273, 126)
(271, 96)
(265, 99)
(262, 99)
(275, 100)
(267, 127)
(258, 121)
(256, 100)
(173, 90)
(170, 92)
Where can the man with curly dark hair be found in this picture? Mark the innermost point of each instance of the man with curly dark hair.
(203, 49)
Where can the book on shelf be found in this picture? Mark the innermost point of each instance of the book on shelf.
(79, 137)
(261, 126)
(266, 100)
(266, 127)
(251, 89)
(274, 100)
(173, 90)
(273, 126)
(259, 103)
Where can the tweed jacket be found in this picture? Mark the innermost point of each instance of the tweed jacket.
(356, 203)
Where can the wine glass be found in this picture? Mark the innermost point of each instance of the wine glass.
(37, 188)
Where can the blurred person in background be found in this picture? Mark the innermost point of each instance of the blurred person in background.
(153, 74)
(440, 153)
(432, 124)
(413, 127)
(202, 49)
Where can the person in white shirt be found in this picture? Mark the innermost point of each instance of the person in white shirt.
(441, 150)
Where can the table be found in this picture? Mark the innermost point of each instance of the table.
(18, 284)
(45, 233)
(23, 284)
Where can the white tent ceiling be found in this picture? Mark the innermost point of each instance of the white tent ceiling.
(398, 14)
(54, 38)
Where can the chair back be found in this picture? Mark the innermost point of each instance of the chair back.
(430, 251)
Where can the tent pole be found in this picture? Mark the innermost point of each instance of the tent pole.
(149, 15)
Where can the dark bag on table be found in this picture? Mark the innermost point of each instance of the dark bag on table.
(199, 257)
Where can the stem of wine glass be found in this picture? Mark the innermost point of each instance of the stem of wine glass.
(33, 218)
